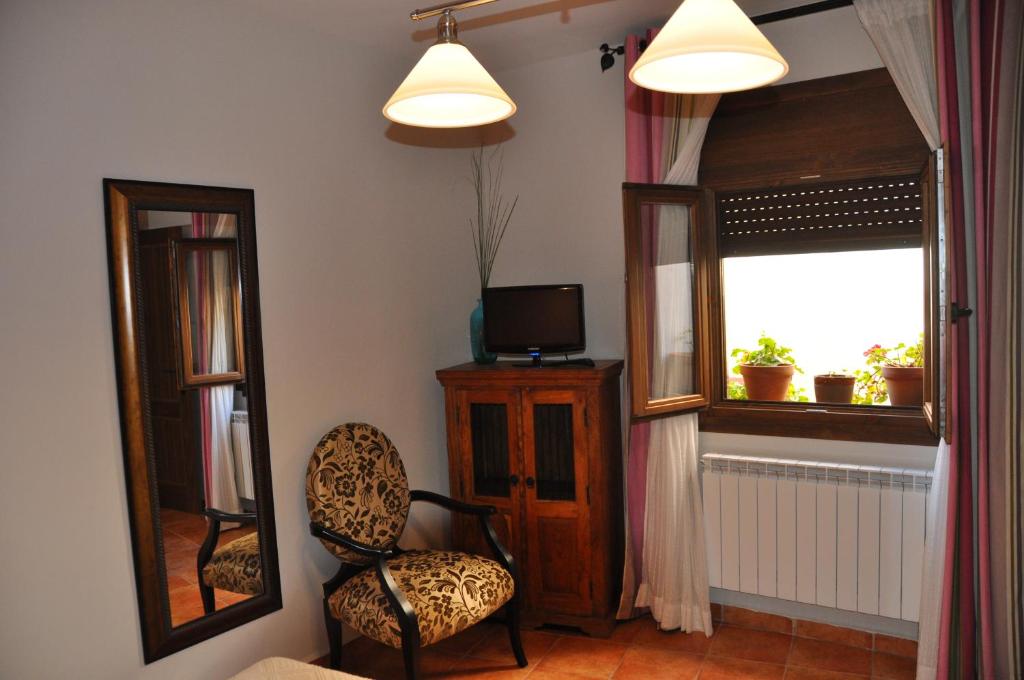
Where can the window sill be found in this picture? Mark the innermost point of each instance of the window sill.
(819, 421)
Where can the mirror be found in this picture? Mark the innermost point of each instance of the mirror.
(185, 303)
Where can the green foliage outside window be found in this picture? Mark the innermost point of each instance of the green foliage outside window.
(870, 387)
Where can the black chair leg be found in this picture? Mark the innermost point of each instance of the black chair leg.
(411, 654)
(514, 636)
(333, 626)
(206, 593)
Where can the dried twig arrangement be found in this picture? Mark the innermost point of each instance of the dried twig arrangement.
(492, 211)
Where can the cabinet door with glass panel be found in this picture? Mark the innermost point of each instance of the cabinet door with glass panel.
(490, 467)
(557, 499)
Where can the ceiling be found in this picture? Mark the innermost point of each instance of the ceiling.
(502, 35)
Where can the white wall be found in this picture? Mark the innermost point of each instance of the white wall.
(366, 279)
(566, 163)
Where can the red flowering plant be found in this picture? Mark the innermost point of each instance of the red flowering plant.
(871, 387)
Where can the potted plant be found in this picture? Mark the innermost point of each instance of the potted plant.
(767, 371)
(902, 370)
(834, 388)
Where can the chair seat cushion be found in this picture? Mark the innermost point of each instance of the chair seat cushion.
(235, 566)
(450, 591)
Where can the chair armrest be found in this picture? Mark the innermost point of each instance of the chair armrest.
(483, 513)
(213, 534)
(452, 504)
(501, 553)
(404, 612)
(320, 531)
(221, 516)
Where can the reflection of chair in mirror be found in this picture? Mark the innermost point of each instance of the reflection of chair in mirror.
(235, 566)
(358, 499)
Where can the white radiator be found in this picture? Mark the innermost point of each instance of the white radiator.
(243, 454)
(844, 536)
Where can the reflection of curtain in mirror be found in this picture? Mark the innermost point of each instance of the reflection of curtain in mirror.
(216, 332)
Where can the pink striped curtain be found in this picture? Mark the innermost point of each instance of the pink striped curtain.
(1006, 348)
(665, 566)
(980, 67)
(212, 287)
(643, 165)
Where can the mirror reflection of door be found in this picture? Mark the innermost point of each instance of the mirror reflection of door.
(200, 434)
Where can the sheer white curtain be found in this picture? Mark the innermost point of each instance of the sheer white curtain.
(904, 35)
(934, 567)
(685, 140)
(674, 580)
(674, 574)
(223, 488)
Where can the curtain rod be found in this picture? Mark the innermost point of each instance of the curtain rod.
(802, 10)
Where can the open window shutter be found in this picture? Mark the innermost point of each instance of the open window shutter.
(669, 247)
(870, 214)
(936, 292)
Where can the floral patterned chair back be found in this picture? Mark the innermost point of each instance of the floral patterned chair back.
(356, 486)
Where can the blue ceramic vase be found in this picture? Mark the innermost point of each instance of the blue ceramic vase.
(476, 336)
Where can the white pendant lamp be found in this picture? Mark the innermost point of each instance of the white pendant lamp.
(448, 88)
(708, 46)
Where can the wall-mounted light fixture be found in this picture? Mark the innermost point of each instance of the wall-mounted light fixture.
(448, 88)
(708, 46)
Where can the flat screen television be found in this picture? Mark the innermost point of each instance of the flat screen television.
(534, 320)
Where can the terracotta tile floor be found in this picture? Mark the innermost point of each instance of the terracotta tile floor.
(745, 645)
(184, 533)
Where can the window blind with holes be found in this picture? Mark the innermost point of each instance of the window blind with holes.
(869, 214)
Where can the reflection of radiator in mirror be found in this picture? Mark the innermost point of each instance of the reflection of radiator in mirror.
(243, 454)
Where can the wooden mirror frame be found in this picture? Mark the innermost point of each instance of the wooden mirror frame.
(187, 377)
(123, 200)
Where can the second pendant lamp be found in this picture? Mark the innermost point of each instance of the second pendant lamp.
(708, 46)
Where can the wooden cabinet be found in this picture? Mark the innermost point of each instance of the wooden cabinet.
(543, 445)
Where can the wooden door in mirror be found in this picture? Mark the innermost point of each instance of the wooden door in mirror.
(187, 339)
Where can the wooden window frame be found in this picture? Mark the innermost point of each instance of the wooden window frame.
(882, 424)
(938, 319)
(702, 242)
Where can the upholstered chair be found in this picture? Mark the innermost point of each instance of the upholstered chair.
(235, 566)
(358, 498)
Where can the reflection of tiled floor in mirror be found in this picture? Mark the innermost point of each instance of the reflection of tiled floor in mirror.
(183, 535)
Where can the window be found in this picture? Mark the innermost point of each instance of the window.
(816, 224)
(834, 274)
(829, 270)
(668, 279)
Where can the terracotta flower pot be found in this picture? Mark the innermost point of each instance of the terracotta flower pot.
(905, 385)
(833, 389)
(767, 383)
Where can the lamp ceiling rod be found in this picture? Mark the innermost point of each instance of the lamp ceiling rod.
(419, 14)
(800, 11)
